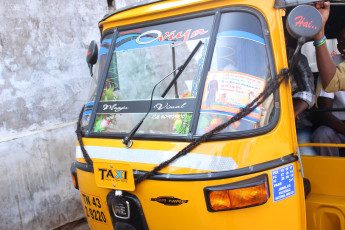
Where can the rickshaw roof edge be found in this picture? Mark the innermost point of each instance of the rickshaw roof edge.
(279, 4)
(139, 4)
(120, 16)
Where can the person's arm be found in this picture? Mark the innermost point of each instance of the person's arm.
(303, 98)
(324, 61)
(327, 118)
(299, 106)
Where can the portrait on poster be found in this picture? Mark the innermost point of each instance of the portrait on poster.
(229, 92)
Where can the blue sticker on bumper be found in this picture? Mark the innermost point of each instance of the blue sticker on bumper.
(283, 182)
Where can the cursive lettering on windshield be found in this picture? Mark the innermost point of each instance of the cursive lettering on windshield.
(182, 36)
(160, 106)
(114, 108)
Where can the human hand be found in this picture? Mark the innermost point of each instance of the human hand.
(323, 8)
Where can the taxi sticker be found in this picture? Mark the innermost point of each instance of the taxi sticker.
(93, 208)
(114, 175)
(283, 182)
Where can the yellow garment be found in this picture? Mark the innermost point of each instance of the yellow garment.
(336, 84)
(338, 81)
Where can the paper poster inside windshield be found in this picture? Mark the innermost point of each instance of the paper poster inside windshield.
(229, 92)
(174, 34)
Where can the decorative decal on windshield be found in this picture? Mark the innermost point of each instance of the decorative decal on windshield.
(167, 106)
(157, 37)
(158, 106)
(152, 35)
(172, 34)
(241, 34)
(228, 92)
(130, 31)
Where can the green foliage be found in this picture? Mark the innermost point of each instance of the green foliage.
(182, 127)
(97, 127)
(109, 94)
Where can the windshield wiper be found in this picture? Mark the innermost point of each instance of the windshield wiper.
(127, 140)
(181, 68)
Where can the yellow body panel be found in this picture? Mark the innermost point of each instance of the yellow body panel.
(194, 214)
(326, 202)
(88, 191)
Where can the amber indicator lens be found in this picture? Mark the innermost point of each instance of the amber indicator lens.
(238, 197)
(74, 181)
(220, 200)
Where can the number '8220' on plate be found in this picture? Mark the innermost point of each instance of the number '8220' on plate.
(114, 175)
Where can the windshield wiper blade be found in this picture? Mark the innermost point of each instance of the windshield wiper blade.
(181, 68)
(127, 140)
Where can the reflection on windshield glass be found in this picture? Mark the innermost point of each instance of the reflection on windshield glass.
(137, 84)
(142, 58)
(238, 72)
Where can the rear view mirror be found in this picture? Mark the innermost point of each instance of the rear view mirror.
(304, 22)
(92, 55)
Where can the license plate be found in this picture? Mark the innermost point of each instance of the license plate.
(114, 175)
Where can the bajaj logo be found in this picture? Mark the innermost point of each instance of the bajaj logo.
(113, 174)
(169, 200)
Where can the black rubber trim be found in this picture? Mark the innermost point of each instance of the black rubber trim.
(81, 166)
(213, 175)
(307, 187)
(203, 76)
(136, 220)
(102, 81)
(74, 173)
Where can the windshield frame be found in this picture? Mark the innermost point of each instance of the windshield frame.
(276, 113)
(216, 13)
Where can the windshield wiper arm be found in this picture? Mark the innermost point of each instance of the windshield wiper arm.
(182, 67)
(128, 139)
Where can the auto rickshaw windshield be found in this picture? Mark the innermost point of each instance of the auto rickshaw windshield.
(143, 56)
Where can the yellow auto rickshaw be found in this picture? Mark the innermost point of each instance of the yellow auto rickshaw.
(189, 122)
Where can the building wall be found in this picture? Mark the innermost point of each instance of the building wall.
(44, 81)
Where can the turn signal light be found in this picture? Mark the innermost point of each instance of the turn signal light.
(74, 181)
(247, 193)
(74, 176)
